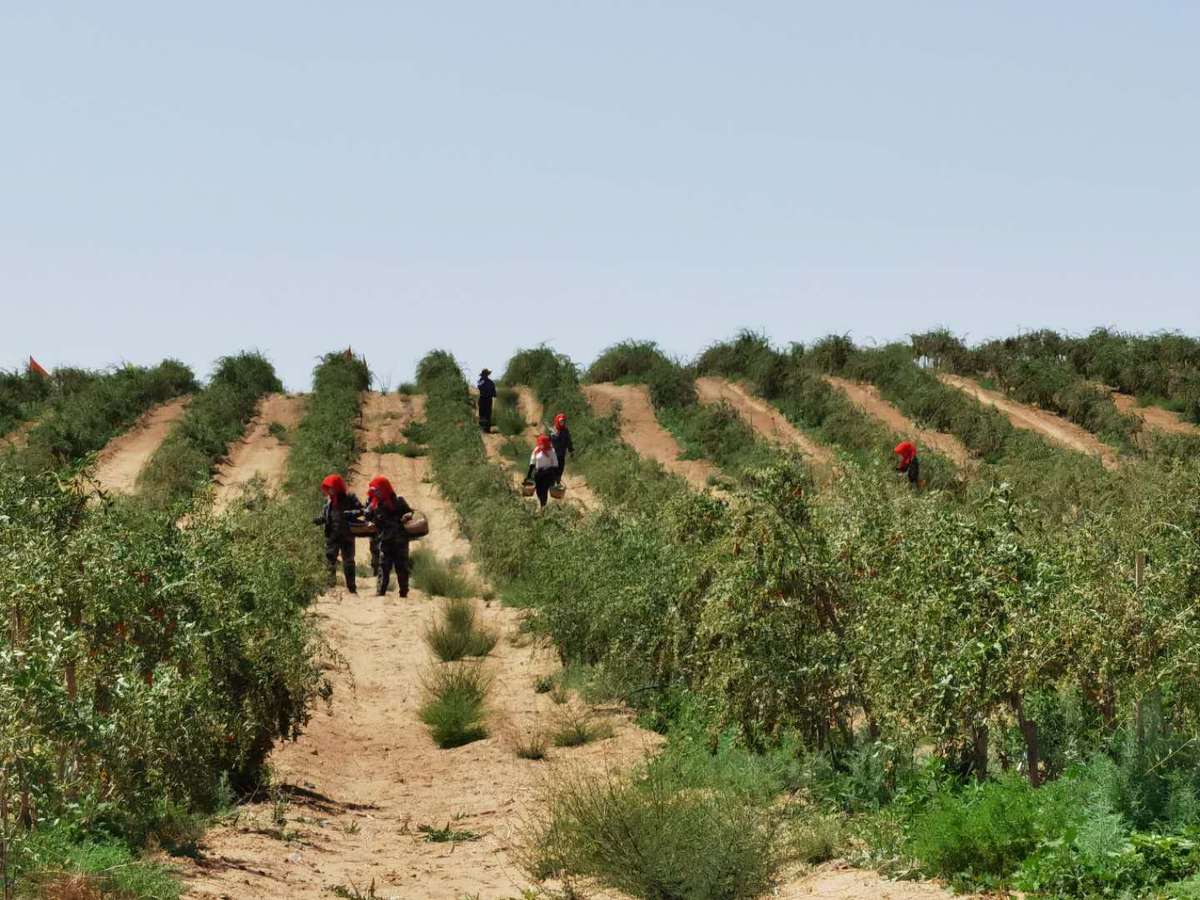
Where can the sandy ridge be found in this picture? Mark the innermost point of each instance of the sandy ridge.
(1154, 416)
(259, 453)
(641, 430)
(1057, 429)
(124, 457)
(867, 398)
(760, 415)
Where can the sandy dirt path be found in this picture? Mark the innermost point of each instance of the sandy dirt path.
(764, 418)
(1057, 429)
(1154, 416)
(259, 454)
(355, 788)
(867, 398)
(641, 430)
(124, 457)
(577, 487)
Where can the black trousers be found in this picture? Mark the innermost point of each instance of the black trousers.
(562, 466)
(343, 546)
(914, 472)
(485, 413)
(393, 554)
(543, 480)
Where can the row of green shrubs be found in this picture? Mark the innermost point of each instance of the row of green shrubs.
(81, 421)
(215, 417)
(24, 394)
(957, 626)
(151, 666)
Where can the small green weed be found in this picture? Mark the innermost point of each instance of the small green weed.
(433, 576)
(447, 834)
(454, 707)
(577, 727)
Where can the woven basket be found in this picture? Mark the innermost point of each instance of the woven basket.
(527, 489)
(417, 526)
(558, 491)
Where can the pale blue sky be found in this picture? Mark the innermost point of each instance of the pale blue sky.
(194, 179)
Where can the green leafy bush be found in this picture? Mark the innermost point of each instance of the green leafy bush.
(82, 421)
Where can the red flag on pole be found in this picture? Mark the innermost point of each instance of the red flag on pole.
(35, 368)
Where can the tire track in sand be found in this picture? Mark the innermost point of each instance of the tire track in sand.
(765, 419)
(1055, 428)
(124, 457)
(641, 430)
(366, 774)
(867, 398)
(259, 454)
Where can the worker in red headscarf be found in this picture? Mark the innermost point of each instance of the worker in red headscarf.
(340, 512)
(388, 512)
(906, 451)
(560, 438)
(543, 467)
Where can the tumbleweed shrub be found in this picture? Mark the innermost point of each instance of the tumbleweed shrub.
(455, 704)
(147, 664)
(439, 578)
(83, 421)
(456, 633)
(652, 835)
(215, 417)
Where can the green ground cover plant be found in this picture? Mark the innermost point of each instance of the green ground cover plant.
(455, 705)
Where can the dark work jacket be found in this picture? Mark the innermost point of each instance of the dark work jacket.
(561, 441)
(390, 521)
(336, 523)
(487, 389)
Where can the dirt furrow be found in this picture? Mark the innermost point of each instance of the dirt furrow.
(259, 454)
(577, 487)
(867, 398)
(355, 789)
(1055, 428)
(760, 415)
(641, 430)
(1154, 416)
(124, 457)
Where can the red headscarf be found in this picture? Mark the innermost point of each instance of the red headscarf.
(560, 421)
(906, 450)
(543, 443)
(380, 491)
(333, 487)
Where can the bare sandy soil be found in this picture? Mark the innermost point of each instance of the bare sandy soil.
(641, 431)
(1154, 416)
(357, 786)
(259, 454)
(1055, 428)
(18, 437)
(835, 881)
(124, 457)
(867, 398)
(764, 418)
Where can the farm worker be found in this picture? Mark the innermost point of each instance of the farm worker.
(561, 439)
(487, 393)
(340, 509)
(543, 467)
(909, 464)
(389, 512)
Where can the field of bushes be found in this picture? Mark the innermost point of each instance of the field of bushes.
(994, 681)
(968, 683)
(147, 664)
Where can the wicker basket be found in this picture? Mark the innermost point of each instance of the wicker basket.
(417, 526)
(363, 529)
(527, 488)
(558, 491)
